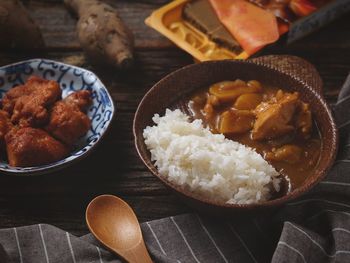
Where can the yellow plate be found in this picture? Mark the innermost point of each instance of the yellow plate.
(168, 21)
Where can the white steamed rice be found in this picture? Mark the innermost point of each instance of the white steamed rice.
(208, 164)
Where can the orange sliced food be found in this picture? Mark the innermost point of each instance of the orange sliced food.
(252, 26)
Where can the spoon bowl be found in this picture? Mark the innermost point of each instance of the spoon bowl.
(114, 224)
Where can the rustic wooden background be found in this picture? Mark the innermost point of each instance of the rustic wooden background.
(61, 198)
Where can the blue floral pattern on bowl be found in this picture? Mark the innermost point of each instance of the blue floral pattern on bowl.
(71, 79)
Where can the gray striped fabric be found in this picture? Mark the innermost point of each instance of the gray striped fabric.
(313, 229)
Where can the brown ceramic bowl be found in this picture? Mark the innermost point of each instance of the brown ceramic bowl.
(289, 73)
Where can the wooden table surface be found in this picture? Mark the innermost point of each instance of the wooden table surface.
(61, 198)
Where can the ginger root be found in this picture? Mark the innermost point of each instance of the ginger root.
(17, 29)
(102, 34)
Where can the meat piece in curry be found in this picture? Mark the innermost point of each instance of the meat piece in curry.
(274, 118)
(303, 120)
(277, 123)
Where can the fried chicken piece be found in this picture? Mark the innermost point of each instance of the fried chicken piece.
(31, 147)
(29, 111)
(67, 121)
(81, 98)
(273, 119)
(28, 103)
(5, 127)
(9, 100)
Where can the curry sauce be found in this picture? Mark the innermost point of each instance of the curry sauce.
(278, 124)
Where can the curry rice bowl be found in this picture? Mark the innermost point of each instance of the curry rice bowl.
(208, 164)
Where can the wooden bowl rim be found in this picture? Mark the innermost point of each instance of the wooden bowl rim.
(270, 203)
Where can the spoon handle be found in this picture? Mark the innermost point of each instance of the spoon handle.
(138, 254)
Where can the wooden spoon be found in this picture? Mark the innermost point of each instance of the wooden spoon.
(114, 224)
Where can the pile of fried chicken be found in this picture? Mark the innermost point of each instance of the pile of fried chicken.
(38, 127)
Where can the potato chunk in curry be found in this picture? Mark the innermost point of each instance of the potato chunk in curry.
(227, 91)
(236, 121)
(248, 101)
(287, 153)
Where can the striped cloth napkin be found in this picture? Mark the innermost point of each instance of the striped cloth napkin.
(315, 228)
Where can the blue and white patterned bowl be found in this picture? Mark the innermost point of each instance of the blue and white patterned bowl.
(71, 79)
